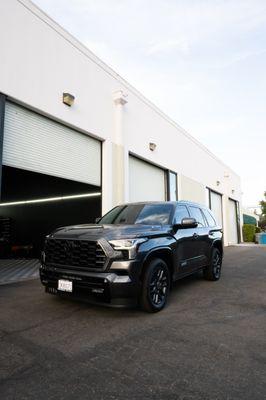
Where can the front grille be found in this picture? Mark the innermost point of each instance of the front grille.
(75, 254)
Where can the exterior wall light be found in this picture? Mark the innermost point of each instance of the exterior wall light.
(233, 191)
(218, 183)
(152, 146)
(120, 97)
(68, 99)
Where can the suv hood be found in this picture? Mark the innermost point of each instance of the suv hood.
(109, 232)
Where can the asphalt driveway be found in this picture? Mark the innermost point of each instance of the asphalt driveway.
(209, 343)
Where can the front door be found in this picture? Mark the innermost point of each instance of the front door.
(186, 239)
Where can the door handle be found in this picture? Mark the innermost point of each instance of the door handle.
(195, 236)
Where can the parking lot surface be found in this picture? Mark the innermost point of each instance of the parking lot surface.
(209, 343)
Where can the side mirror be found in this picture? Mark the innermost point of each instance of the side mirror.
(186, 223)
(97, 220)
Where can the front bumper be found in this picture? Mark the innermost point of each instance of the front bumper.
(103, 287)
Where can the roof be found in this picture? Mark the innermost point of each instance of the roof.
(185, 202)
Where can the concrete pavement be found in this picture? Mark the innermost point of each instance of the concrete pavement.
(209, 343)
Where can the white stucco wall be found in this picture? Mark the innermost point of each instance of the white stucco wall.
(40, 61)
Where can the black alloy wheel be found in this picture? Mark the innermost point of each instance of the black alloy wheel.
(156, 286)
(213, 271)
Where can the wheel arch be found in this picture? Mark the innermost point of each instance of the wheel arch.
(165, 254)
(217, 244)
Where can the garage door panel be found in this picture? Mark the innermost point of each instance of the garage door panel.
(216, 207)
(38, 144)
(146, 182)
(233, 235)
(191, 190)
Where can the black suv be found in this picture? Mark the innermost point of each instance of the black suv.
(133, 253)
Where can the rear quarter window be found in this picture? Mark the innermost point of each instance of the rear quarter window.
(210, 219)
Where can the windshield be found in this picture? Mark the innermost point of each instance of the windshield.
(146, 214)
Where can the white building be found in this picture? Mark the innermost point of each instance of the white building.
(111, 146)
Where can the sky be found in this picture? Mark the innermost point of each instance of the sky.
(202, 62)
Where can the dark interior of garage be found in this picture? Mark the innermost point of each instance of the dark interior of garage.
(24, 226)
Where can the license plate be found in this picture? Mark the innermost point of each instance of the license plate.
(65, 286)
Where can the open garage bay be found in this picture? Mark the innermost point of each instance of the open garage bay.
(34, 204)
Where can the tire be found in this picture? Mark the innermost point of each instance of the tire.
(213, 271)
(155, 286)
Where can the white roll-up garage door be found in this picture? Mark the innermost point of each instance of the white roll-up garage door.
(233, 236)
(146, 182)
(216, 206)
(38, 144)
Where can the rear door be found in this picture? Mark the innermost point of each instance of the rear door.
(214, 230)
(200, 238)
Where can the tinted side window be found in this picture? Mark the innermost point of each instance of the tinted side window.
(209, 217)
(180, 213)
(197, 214)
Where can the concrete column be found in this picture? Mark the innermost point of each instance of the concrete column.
(119, 151)
(115, 159)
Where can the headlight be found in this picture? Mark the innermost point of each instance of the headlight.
(130, 245)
